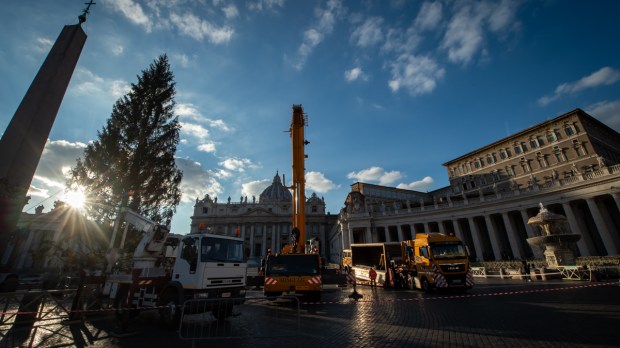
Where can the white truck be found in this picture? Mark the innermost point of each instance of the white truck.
(170, 269)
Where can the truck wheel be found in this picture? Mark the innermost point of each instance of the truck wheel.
(170, 313)
(426, 286)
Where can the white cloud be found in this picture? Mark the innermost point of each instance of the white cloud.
(263, 5)
(86, 83)
(222, 174)
(237, 164)
(465, 34)
(197, 28)
(117, 50)
(375, 174)
(417, 74)
(114, 44)
(182, 59)
(401, 41)
(43, 44)
(354, 74)
(119, 88)
(603, 77)
(502, 15)
(208, 147)
(368, 33)
(607, 112)
(132, 11)
(429, 16)
(197, 182)
(317, 182)
(314, 35)
(189, 111)
(38, 192)
(199, 126)
(230, 11)
(420, 185)
(53, 183)
(194, 130)
(255, 188)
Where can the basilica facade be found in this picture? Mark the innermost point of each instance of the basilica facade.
(264, 222)
(570, 164)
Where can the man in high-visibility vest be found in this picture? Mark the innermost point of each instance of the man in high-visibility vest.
(372, 274)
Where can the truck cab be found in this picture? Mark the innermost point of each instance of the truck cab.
(441, 261)
(210, 262)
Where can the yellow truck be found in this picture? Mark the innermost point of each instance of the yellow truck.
(430, 261)
(294, 274)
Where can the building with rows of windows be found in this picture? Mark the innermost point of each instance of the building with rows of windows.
(570, 164)
(264, 223)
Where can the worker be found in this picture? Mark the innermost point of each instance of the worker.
(525, 271)
(372, 274)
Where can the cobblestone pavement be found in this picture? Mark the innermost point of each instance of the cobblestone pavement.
(496, 313)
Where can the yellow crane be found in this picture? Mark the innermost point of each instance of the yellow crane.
(298, 122)
(297, 269)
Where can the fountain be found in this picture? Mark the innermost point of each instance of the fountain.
(555, 236)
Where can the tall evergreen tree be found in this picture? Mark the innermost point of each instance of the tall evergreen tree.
(132, 162)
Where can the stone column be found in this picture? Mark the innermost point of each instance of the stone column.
(369, 234)
(252, 240)
(616, 197)
(277, 228)
(273, 237)
(528, 228)
(497, 251)
(386, 232)
(401, 237)
(603, 231)
(584, 243)
(346, 235)
(427, 228)
(457, 230)
(476, 237)
(264, 241)
(513, 238)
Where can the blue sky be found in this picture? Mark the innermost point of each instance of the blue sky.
(392, 89)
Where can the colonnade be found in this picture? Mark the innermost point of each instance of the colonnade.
(501, 233)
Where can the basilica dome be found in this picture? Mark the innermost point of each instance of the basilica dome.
(276, 192)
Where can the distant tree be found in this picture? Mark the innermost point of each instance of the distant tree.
(132, 162)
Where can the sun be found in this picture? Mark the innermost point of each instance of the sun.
(75, 198)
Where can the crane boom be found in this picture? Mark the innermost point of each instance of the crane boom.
(298, 123)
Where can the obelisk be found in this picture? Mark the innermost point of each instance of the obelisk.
(24, 139)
